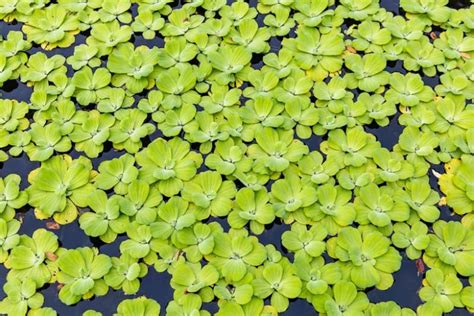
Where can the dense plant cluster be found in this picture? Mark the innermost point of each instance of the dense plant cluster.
(215, 122)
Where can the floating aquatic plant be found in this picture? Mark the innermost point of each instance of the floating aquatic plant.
(30, 259)
(367, 256)
(11, 197)
(59, 186)
(21, 296)
(451, 245)
(457, 186)
(140, 306)
(442, 290)
(106, 219)
(278, 281)
(185, 134)
(81, 270)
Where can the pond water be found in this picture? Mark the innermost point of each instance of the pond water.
(156, 285)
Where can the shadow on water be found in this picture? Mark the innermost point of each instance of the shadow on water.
(459, 4)
(395, 66)
(15, 89)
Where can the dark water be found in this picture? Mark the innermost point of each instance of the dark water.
(156, 285)
(386, 135)
(405, 288)
(391, 5)
(15, 89)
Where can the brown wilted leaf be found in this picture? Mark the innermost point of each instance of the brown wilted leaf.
(351, 49)
(51, 256)
(52, 225)
(420, 266)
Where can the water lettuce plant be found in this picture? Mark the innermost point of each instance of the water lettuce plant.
(125, 274)
(45, 141)
(333, 208)
(367, 256)
(11, 197)
(235, 253)
(210, 194)
(116, 174)
(413, 238)
(274, 150)
(451, 246)
(442, 290)
(278, 281)
(105, 220)
(290, 196)
(352, 146)
(193, 278)
(131, 67)
(129, 129)
(140, 202)
(229, 63)
(81, 271)
(368, 72)
(375, 205)
(174, 216)
(31, 257)
(9, 237)
(319, 52)
(408, 90)
(91, 132)
(21, 297)
(251, 208)
(139, 243)
(59, 186)
(257, 155)
(317, 276)
(455, 184)
(52, 27)
(140, 306)
(306, 244)
(168, 163)
(39, 67)
(345, 299)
